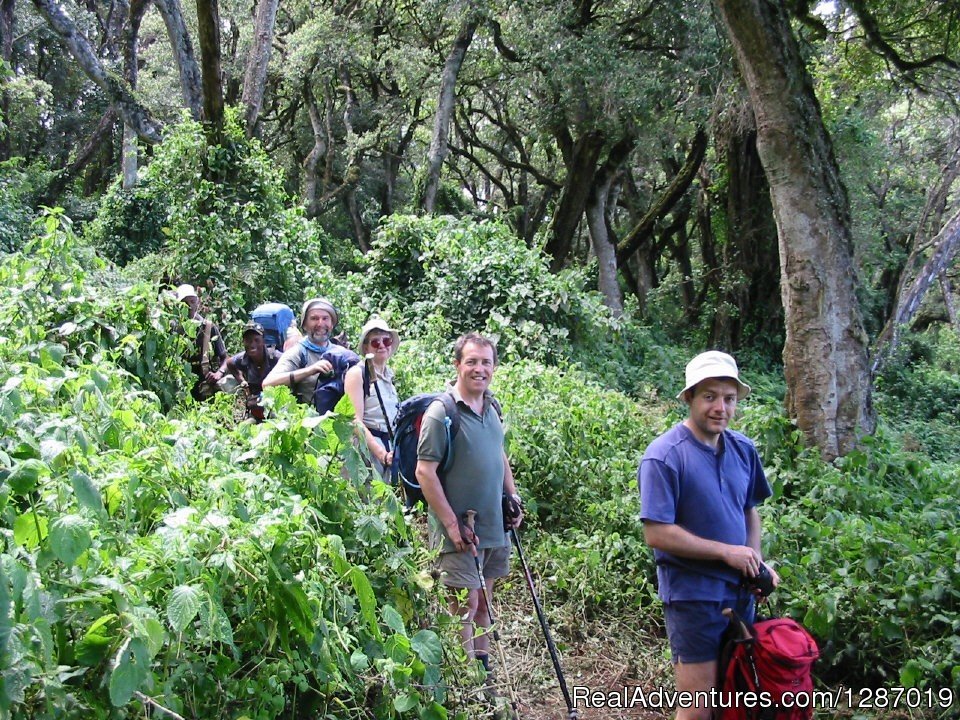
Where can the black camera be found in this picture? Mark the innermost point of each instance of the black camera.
(762, 582)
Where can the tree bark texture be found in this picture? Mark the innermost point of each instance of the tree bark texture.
(945, 246)
(116, 90)
(208, 25)
(601, 234)
(668, 199)
(445, 108)
(84, 155)
(255, 76)
(7, 22)
(581, 163)
(190, 84)
(747, 284)
(825, 355)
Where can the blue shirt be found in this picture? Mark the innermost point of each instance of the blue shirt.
(706, 492)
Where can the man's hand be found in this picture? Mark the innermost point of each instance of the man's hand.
(213, 376)
(322, 367)
(744, 559)
(460, 535)
(512, 511)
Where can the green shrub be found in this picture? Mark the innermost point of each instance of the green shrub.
(221, 220)
(172, 559)
(18, 190)
(919, 392)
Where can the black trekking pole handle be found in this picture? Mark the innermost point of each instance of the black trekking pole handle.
(572, 713)
(368, 359)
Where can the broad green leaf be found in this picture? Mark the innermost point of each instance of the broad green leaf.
(297, 608)
(392, 619)
(26, 474)
(910, 674)
(183, 606)
(406, 701)
(215, 622)
(70, 538)
(359, 661)
(51, 356)
(87, 493)
(129, 671)
(426, 644)
(151, 631)
(433, 711)
(29, 530)
(368, 601)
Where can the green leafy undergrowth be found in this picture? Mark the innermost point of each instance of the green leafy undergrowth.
(869, 555)
(168, 559)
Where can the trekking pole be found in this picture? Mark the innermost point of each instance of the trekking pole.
(468, 520)
(572, 713)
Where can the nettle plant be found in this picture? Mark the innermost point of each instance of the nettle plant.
(480, 277)
(154, 560)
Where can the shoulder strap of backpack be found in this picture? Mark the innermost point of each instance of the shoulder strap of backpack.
(366, 379)
(497, 407)
(452, 413)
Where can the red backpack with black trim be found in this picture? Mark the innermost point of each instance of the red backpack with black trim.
(769, 658)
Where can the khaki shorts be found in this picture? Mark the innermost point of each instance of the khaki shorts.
(460, 571)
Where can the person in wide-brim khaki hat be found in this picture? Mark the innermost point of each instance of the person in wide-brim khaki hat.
(370, 387)
(379, 325)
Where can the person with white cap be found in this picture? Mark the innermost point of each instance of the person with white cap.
(700, 485)
(300, 365)
(210, 352)
(370, 387)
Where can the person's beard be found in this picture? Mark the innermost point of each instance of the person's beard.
(320, 336)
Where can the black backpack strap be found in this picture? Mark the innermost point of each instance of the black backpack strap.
(452, 412)
(366, 380)
(496, 406)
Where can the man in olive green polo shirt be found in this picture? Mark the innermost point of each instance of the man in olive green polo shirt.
(478, 476)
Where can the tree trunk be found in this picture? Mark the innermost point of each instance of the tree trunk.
(101, 137)
(603, 246)
(131, 49)
(825, 355)
(208, 24)
(117, 91)
(255, 77)
(945, 245)
(182, 47)
(948, 301)
(601, 233)
(747, 283)
(7, 24)
(581, 164)
(360, 230)
(311, 164)
(642, 232)
(445, 108)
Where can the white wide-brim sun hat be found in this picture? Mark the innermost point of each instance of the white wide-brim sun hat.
(713, 364)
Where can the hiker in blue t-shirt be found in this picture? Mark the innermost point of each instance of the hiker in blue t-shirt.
(700, 484)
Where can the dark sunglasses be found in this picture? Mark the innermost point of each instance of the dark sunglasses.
(384, 342)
